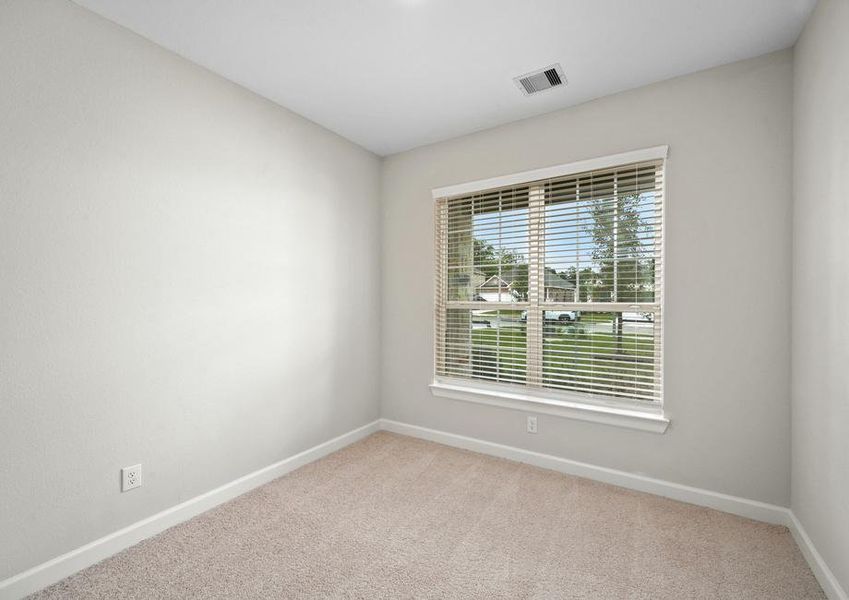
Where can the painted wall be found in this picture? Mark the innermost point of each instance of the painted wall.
(174, 252)
(728, 275)
(820, 375)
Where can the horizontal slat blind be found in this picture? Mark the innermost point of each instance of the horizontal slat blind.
(555, 284)
(482, 247)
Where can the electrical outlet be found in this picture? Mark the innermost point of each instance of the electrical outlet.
(131, 477)
(532, 424)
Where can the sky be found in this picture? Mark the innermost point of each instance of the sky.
(513, 235)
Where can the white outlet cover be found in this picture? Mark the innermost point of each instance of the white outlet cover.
(131, 477)
(532, 424)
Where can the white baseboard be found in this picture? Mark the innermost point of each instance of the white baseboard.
(826, 578)
(752, 509)
(60, 567)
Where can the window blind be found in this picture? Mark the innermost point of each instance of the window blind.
(555, 284)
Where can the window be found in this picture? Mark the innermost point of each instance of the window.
(553, 286)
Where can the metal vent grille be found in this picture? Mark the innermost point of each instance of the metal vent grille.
(541, 80)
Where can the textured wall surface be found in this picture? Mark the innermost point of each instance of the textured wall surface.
(727, 345)
(187, 280)
(820, 375)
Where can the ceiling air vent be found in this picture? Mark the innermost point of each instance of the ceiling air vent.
(541, 80)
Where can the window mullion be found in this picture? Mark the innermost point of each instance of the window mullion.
(598, 348)
(441, 284)
(658, 252)
(536, 284)
(615, 248)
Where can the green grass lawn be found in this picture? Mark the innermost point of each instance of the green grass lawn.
(596, 317)
(572, 358)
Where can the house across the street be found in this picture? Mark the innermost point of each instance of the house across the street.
(558, 289)
(496, 289)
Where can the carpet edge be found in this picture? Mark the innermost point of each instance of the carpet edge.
(743, 507)
(54, 570)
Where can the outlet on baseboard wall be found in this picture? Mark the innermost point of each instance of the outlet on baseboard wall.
(532, 424)
(131, 477)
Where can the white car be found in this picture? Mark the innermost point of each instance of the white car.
(556, 315)
(637, 317)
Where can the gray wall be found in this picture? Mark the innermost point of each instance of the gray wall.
(163, 303)
(820, 373)
(174, 256)
(728, 277)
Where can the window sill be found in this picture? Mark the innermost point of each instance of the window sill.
(651, 420)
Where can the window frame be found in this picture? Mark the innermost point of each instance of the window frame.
(617, 411)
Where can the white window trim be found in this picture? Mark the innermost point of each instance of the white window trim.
(547, 401)
(581, 166)
(556, 403)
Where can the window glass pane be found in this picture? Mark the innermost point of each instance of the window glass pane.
(488, 247)
(597, 240)
(602, 237)
(486, 344)
(600, 353)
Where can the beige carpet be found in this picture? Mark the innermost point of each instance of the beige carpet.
(395, 517)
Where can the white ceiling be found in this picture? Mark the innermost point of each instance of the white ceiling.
(394, 74)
